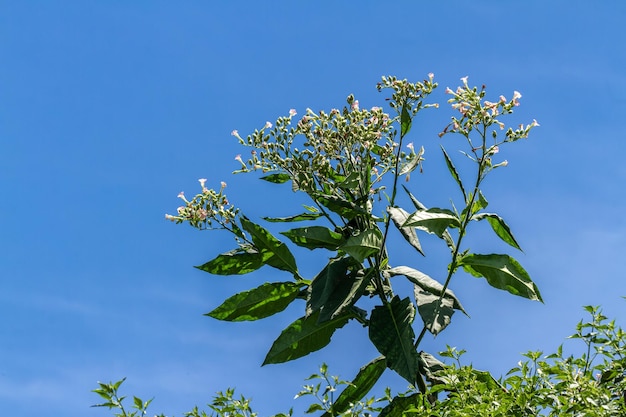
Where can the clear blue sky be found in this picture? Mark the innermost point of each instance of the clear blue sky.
(109, 109)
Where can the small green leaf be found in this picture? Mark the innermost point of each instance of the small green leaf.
(399, 217)
(436, 312)
(434, 221)
(405, 121)
(392, 334)
(235, 262)
(399, 405)
(314, 237)
(500, 227)
(304, 336)
(424, 282)
(314, 407)
(277, 178)
(454, 172)
(296, 218)
(502, 272)
(364, 244)
(340, 206)
(281, 258)
(359, 387)
(258, 303)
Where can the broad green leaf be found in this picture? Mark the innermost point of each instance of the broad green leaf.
(340, 206)
(296, 218)
(500, 227)
(436, 312)
(336, 288)
(314, 237)
(399, 217)
(364, 244)
(433, 220)
(424, 282)
(399, 405)
(405, 121)
(392, 334)
(258, 303)
(429, 366)
(302, 337)
(359, 387)
(502, 272)
(351, 182)
(281, 258)
(235, 262)
(277, 178)
(413, 163)
(454, 173)
(418, 205)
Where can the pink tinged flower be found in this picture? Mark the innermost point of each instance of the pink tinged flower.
(464, 79)
(238, 158)
(201, 214)
(268, 125)
(375, 108)
(180, 210)
(170, 217)
(355, 105)
(495, 150)
(502, 99)
(223, 184)
(516, 95)
(501, 125)
(449, 91)
(534, 123)
(181, 195)
(292, 112)
(431, 76)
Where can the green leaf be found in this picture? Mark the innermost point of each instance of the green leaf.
(296, 218)
(454, 172)
(436, 312)
(405, 121)
(502, 272)
(235, 262)
(314, 407)
(277, 178)
(336, 288)
(433, 220)
(314, 237)
(399, 405)
(359, 387)
(500, 227)
(281, 258)
(413, 163)
(399, 217)
(304, 336)
(258, 303)
(425, 283)
(429, 366)
(340, 206)
(364, 244)
(392, 334)
(418, 205)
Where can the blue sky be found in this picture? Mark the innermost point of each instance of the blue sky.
(109, 109)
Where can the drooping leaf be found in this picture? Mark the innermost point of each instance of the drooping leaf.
(502, 272)
(433, 220)
(235, 262)
(436, 312)
(500, 227)
(405, 120)
(282, 257)
(413, 163)
(302, 337)
(336, 288)
(399, 217)
(364, 244)
(430, 366)
(399, 405)
(314, 237)
(454, 172)
(392, 334)
(296, 218)
(258, 303)
(424, 282)
(279, 178)
(359, 387)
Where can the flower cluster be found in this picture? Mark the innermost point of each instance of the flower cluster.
(477, 112)
(407, 95)
(205, 208)
(321, 150)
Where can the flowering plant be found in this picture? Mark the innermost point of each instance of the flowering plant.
(349, 162)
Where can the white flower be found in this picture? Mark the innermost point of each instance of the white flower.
(202, 181)
(355, 105)
(464, 79)
(292, 112)
(431, 76)
(449, 91)
(516, 95)
(411, 147)
(268, 125)
(534, 123)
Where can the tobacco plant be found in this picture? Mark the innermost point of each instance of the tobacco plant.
(349, 163)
